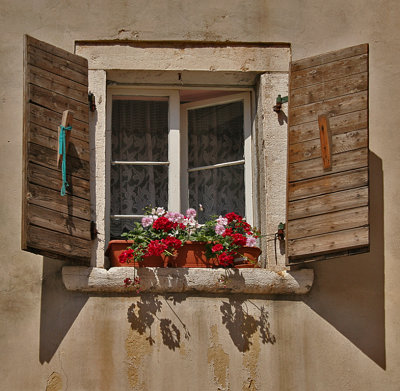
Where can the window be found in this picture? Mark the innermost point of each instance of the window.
(327, 210)
(179, 149)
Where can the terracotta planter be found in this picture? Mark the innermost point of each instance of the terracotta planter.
(191, 254)
(116, 247)
(250, 257)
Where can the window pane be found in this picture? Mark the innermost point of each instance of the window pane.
(135, 187)
(215, 134)
(140, 130)
(219, 191)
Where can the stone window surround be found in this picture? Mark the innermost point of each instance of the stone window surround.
(232, 64)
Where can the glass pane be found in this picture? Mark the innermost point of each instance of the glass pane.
(219, 191)
(215, 134)
(135, 187)
(140, 130)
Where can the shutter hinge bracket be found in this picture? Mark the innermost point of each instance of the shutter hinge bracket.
(92, 102)
(279, 101)
(93, 230)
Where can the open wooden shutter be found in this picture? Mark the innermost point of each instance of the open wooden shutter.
(328, 207)
(52, 225)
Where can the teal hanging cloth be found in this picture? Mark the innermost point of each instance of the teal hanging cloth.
(63, 152)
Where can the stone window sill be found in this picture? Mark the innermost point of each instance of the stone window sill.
(190, 280)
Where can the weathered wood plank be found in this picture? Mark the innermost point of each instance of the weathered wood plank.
(330, 71)
(338, 124)
(57, 65)
(51, 199)
(58, 84)
(327, 203)
(328, 90)
(48, 157)
(52, 120)
(340, 143)
(59, 222)
(333, 107)
(329, 222)
(56, 51)
(308, 169)
(49, 138)
(328, 184)
(57, 102)
(329, 57)
(334, 241)
(41, 241)
(51, 178)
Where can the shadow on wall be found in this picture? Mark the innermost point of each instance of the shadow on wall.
(58, 311)
(348, 292)
(143, 314)
(241, 325)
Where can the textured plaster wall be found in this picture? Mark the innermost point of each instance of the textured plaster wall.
(343, 336)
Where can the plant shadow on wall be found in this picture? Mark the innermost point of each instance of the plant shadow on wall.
(143, 315)
(348, 292)
(241, 325)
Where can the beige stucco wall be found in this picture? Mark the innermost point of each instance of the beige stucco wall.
(344, 335)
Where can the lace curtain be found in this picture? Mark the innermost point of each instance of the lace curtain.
(139, 133)
(216, 136)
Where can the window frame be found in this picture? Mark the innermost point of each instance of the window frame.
(178, 199)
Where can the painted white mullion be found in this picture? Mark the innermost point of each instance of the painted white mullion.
(174, 153)
(184, 160)
(248, 167)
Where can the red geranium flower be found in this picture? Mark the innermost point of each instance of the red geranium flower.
(163, 224)
(156, 247)
(225, 259)
(172, 242)
(239, 239)
(217, 247)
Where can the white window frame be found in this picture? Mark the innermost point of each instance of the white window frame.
(178, 146)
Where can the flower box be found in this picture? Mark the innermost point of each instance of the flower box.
(191, 254)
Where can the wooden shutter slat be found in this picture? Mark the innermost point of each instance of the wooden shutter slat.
(328, 72)
(58, 84)
(56, 243)
(332, 107)
(329, 57)
(48, 138)
(50, 178)
(339, 124)
(56, 51)
(55, 221)
(328, 243)
(327, 203)
(48, 157)
(329, 90)
(51, 199)
(50, 119)
(60, 103)
(341, 143)
(328, 208)
(328, 184)
(57, 65)
(328, 222)
(340, 162)
(52, 225)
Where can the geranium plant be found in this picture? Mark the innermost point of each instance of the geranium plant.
(163, 233)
